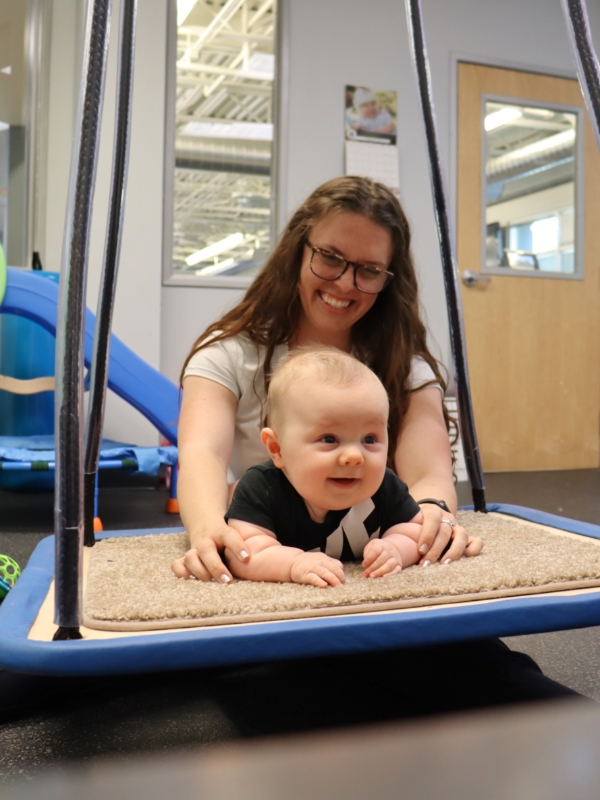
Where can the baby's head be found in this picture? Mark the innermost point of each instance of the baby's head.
(327, 419)
(365, 102)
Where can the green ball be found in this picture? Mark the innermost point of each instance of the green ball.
(9, 569)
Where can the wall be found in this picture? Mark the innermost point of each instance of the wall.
(186, 312)
(335, 42)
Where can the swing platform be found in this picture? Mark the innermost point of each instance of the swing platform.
(26, 624)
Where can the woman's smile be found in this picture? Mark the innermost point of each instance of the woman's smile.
(337, 303)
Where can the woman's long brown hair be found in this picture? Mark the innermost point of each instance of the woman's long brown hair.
(389, 334)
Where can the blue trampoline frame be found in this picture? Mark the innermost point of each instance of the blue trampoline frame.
(267, 641)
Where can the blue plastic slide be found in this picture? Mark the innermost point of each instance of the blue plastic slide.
(143, 387)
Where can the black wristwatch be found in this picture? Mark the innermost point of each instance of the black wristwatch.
(441, 503)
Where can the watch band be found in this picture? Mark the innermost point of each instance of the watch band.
(441, 503)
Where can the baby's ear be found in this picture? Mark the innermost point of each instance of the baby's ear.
(269, 439)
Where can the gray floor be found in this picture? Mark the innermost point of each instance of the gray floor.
(52, 721)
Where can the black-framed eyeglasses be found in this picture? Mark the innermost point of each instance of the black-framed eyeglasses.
(331, 266)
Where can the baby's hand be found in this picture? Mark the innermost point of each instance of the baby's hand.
(381, 557)
(317, 569)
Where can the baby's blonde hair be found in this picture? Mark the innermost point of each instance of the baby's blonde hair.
(320, 363)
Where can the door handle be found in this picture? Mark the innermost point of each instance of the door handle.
(470, 278)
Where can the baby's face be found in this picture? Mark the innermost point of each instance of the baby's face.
(334, 443)
(369, 110)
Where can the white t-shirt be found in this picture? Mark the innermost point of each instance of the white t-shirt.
(237, 364)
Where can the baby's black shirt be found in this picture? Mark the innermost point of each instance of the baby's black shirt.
(265, 497)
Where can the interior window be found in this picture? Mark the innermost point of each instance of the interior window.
(530, 188)
(223, 108)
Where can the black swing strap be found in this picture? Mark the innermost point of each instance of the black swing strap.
(101, 350)
(68, 497)
(585, 58)
(450, 271)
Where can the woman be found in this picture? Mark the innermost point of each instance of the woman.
(341, 275)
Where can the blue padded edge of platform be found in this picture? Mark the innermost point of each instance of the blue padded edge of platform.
(268, 641)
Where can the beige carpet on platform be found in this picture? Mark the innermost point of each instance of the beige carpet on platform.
(130, 585)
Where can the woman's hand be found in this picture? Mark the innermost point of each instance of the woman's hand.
(203, 561)
(436, 535)
(424, 462)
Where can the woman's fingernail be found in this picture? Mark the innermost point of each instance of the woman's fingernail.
(426, 563)
(193, 578)
(447, 561)
(225, 578)
(423, 549)
(244, 553)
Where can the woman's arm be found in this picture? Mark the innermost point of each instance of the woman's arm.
(206, 431)
(424, 462)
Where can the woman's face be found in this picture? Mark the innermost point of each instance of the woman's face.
(330, 308)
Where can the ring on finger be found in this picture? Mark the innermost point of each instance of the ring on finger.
(450, 540)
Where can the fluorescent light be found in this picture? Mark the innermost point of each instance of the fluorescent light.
(215, 249)
(183, 9)
(262, 131)
(4, 126)
(502, 117)
(214, 269)
(545, 145)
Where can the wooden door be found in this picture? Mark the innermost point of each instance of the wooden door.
(533, 343)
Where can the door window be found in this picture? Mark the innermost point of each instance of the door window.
(531, 189)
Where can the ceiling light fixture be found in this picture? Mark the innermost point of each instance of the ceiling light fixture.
(260, 131)
(215, 249)
(215, 269)
(502, 117)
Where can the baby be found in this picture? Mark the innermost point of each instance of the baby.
(326, 494)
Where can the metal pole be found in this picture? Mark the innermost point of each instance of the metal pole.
(112, 249)
(451, 278)
(68, 498)
(585, 59)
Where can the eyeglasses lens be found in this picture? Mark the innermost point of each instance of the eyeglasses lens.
(330, 266)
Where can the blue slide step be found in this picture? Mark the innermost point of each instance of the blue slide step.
(129, 376)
